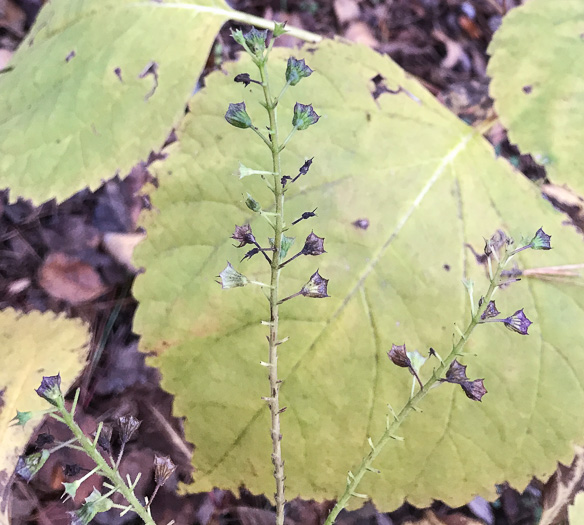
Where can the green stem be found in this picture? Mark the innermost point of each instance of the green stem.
(105, 469)
(274, 398)
(366, 464)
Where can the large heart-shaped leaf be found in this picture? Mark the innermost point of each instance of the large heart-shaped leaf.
(96, 86)
(428, 184)
(32, 345)
(537, 75)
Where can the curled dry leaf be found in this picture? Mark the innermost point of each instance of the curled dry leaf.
(121, 247)
(68, 278)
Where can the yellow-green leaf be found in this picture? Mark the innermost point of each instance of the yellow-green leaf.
(96, 86)
(32, 345)
(537, 83)
(428, 185)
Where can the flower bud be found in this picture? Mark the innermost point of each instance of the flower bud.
(541, 241)
(50, 390)
(252, 204)
(231, 278)
(28, 466)
(244, 78)
(256, 41)
(304, 116)
(237, 116)
(296, 70)
(314, 245)
(316, 287)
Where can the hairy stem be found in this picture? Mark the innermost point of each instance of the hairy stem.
(113, 475)
(376, 447)
(274, 398)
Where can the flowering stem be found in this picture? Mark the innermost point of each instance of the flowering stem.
(274, 398)
(104, 468)
(353, 480)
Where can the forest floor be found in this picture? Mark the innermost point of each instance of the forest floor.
(73, 257)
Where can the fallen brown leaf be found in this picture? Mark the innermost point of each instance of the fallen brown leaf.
(70, 279)
(121, 247)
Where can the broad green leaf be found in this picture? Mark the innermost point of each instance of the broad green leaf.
(576, 511)
(428, 184)
(33, 345)
(79, 107)
(537, 83)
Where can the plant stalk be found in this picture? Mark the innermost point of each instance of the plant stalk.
(366, 464)
(274, 398)
(104, 467)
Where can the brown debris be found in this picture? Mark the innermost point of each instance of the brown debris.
(69, 278)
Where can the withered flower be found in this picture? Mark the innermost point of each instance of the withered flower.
(244, 235)
(490, 311)
(474, 390)
(399, 356)
(314, 245)
(316, 287)
(127, 426)
(456, 373)
(163, 469)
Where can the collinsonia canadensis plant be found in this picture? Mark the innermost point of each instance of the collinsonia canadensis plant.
(98, 447)
(401, 186)
(276, 254)
(498, 253)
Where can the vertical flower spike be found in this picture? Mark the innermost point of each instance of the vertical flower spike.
(316, 287)
(474, 390)
(314, 245)
(237, 116)
(490, 311)
(518, 322)
(244, 235)
(231, 278)
(50, 390)
(304, 116)
(296, 70)
(541, 241)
